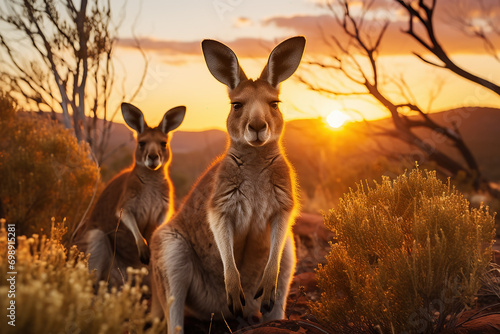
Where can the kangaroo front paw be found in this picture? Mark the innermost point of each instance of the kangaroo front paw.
(267, 305)
(268, 293)
(236, 300)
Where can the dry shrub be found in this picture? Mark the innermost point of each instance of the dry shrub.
(409, 257)
(54, 292)
(45, 171)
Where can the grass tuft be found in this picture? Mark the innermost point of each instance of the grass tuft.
(409, 258)
(54, 292)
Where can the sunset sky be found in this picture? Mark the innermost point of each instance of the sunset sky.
(170, 33)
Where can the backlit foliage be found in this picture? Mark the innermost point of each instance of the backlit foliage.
(409, 257)
(45, 172)
(55, 294)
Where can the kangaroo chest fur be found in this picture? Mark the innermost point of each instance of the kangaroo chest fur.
(147, 199)
(251, 189)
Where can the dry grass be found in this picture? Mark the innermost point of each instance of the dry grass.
(55, 294)
(409, 257)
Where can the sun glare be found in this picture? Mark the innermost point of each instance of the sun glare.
(336, 119)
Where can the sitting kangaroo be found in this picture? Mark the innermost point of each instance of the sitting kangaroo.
(134, 203)
(229, 249)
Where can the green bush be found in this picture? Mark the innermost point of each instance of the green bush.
(54, 292)
(45, 171)
(409, 257)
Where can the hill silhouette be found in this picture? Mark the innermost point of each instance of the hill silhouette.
(329, 161)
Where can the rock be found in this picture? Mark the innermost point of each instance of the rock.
(487, 324)
(484, 325)
(285, 326)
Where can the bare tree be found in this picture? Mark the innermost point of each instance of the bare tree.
(355, 49)
(422, 13)
(58, 57)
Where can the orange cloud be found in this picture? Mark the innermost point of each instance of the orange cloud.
(245, 47)
(320, 28)
(164, 46)
(242, 21)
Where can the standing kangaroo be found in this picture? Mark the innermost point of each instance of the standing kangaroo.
(134, 203)
(229, 249)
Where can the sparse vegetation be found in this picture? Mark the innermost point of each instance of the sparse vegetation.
(54, 292)
(409, 257)
(45, 171)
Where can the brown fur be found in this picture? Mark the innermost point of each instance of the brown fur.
(133, 204)
(229, 249)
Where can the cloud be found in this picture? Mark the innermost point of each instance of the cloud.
(314, 28)
(319, 29)
(478, 9)
(164, 46)
(243, 47)
(242, 22)
(449, 15)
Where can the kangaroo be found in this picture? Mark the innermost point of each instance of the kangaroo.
(229, 249)
(134, 203)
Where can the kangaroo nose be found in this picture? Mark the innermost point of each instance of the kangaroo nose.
(153, 161)
(257, 127)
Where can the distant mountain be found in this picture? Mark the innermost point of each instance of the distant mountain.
(305, 139)
(327, 161)
(192, 152)
(182, 141)
(479, 126)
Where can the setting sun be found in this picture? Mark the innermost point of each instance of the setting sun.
(336, 119)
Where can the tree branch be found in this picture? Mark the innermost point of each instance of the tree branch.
(434, 46)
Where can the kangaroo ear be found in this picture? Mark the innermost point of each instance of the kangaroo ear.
(172, 119)
(133, 117)
(283, 60)
(222, 63)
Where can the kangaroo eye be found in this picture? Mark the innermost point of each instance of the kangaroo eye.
(237, 105)
(163, 144)
(274, 105)
(142, 144)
